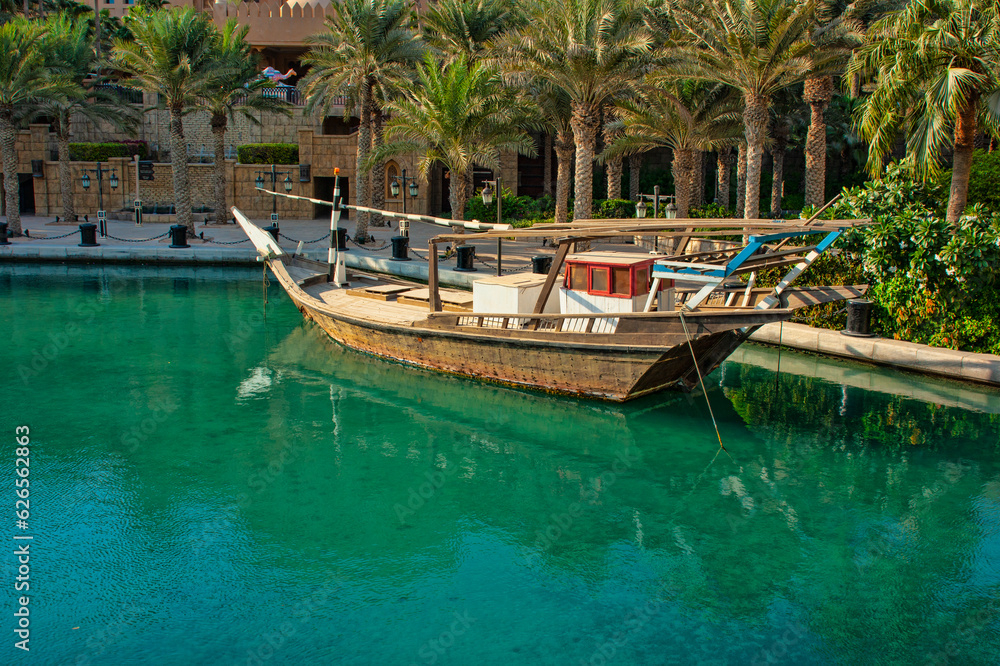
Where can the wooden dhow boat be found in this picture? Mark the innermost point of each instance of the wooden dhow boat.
(606, 325)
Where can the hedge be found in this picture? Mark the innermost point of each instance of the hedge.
(932, 281)
(268, 153)
(101, 152)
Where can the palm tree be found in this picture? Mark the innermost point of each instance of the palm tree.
(460, 116)
(366, 55)
(69, 47)
(25, 83)
(829, 28)
(555, 109)
(780, 135)
(756, 47)
(612, 166)
(817, 93)
(683, 116)
(724, 168)
(741, 179)
(237, 89)
(594, 50)
(937, 74)
(172, 55)
(454, 27)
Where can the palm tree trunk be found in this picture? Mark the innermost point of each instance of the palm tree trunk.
(65, 177)
(741, 179)
(965, 137)
(179, 166)
(681, 167)
(613, 167)
(584, 123)
(564, 158)
(8, 133)
(723, 174)
(755, 119)
(362, 191)
(459, 194)
(634, 171)
(817, 93)
(778, 171)
(697, 178)
(378, 171)
(547, 165)
(218, 123)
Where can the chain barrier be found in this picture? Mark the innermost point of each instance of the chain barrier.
(139, 240)
(227, 242)
(417, 254)
(75, 231)
(515, 269)
(295, 240)
(370, 249)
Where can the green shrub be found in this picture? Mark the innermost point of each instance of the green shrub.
(268, 153)
(932, 282)
(984, 178)
(513, 209)
(614, 209)
(710, 211)
(101, 152)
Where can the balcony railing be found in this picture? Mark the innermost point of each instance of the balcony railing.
(288, 93)
(124, 93)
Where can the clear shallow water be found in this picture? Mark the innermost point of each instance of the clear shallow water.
(212, 488)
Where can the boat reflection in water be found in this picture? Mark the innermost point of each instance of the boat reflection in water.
(839, 514)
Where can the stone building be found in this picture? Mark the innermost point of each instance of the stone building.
(278, 31)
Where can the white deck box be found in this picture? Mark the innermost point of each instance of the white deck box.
(510, 294)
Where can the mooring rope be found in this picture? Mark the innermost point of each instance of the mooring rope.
(701, 381)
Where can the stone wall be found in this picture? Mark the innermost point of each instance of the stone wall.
(155, 129)
(320, 152)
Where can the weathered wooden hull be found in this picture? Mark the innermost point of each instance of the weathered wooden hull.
(604, 371)
(599, 373)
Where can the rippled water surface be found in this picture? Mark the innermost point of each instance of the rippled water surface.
(210, 486)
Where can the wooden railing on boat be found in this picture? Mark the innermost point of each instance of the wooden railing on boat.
(560, 323)
(557, 323)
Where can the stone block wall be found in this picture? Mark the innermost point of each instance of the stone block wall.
(323, 153)
(155, 129)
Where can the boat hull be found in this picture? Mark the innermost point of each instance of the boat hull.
(609, 373)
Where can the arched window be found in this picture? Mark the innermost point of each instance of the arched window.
(391, 174)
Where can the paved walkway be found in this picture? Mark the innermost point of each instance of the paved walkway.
(227, 244)
(981, 368)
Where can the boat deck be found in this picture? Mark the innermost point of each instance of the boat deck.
(388, 311)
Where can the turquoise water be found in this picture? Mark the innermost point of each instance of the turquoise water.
(213, 486)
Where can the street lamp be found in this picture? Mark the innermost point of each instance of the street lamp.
(394, 190)
(102, 216)
(259, 181)
(640, 209)
(487, 200)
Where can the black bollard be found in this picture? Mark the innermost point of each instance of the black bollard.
(342, 239)
(859, 318)
(88, 235)
(273, 230)
(178, 235)
(400, 244)
(541, 264)
(3, 234)
(466, 254)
